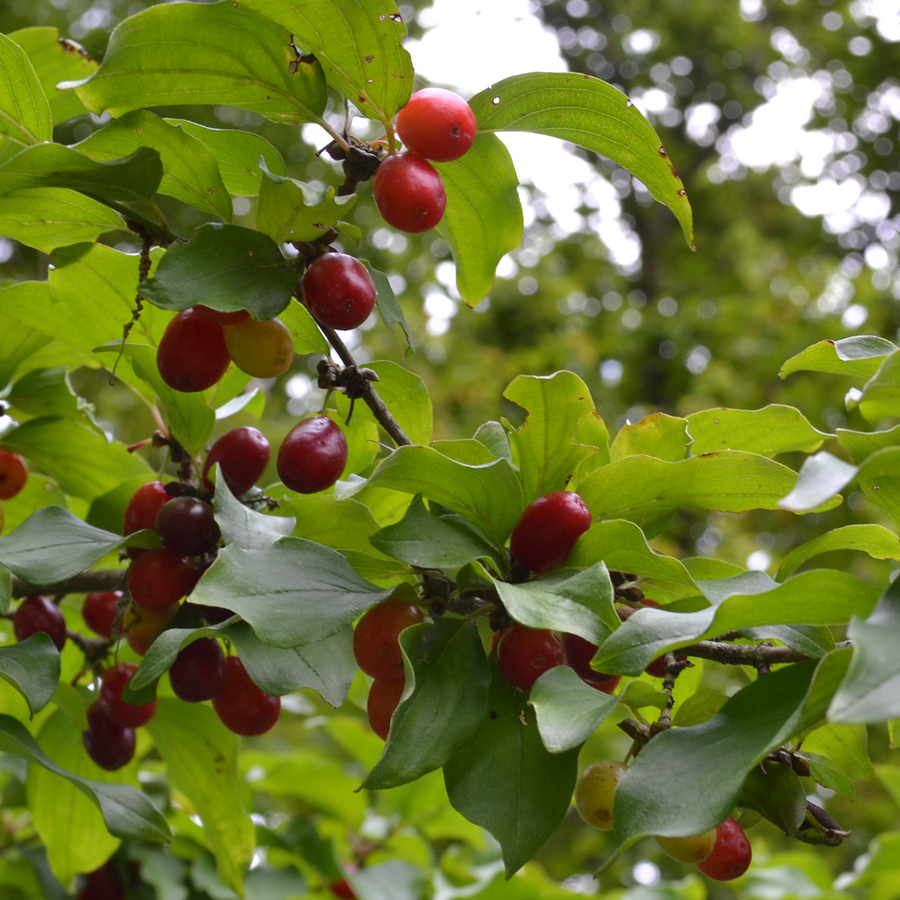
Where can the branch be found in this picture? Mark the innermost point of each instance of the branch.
(743, 654)
(82, 583)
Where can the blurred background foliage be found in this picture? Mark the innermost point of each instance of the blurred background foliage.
(794, 245)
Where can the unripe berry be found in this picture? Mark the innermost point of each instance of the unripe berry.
(261, 349)
(548, 529)
(690, 850)
(142, 627)
(437, 124)
(409, 193)
(339, 291)
(312, 456)
(192, 355)
(221, 318)
(595, 792)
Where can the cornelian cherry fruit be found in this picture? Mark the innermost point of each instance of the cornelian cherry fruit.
(187, 525)
(243, 707)
(437, 124)
(595, 792)
(524, 654)
(312, 456)
(339, 291)
(128, 715)
(13, 474)
(376, 640)
(579, 653)
(731, 853)
(342, 890)
(199, 671)
(160, 578)
(409, 193)
(242, 454)
(38, 613)
(262, 349)
(692, 849)
(383, 700)
(142, 627)
(548, 529)
(109, 745)
(99, 611)
(192, 355)
(104, 883)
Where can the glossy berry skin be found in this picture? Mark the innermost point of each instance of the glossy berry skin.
(579, 653)
(242, 454)
(261, 349)
(690, 850)
(99, 611)
(376, 640)
(342, 890)
(312, 456)
(409, 193)
(143, 507)
(595, 792)
(142, 627)
(730, 855)
(383, 700)
(188, 526)
(339, 291)
(524, 654)
(13, 474)
(128, 715)
(39, 613)
(437, 124)
(160, 578)
(221, 318)
(192, 355)
(199, 671)
(243, 707)
(548, 529)
(109, 745)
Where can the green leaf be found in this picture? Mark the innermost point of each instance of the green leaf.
(488, 495)
(52, 545)
(881, 393)
(431, 541)
(871, 690)
(858, 356)
(191, 53)
(860, 444)
(18, 345)
(56, 59)
(592, 114)
(659, 435)
(32, 667)
(447, 687)
(875, 540)
(201, 761)
(775, 792)
(249, 529)
(545, 445)
(821, 476)
(389, 307)
(568, 710)
(483, 219)
(289, 210)
(24, 110)
(238, 155)
(358, 45)
(306, 334)
(505, 780)
(405, 395)
(48, 392)
(227, 268)
(879, 480)
(341, 524)
(190, 171)
(845, 745)
(698, 708)
(292, 593)
(769, 431)
(128, 812)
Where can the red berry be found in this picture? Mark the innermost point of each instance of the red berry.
(160, 578)
(199, 671)
(339, 291)
(342, 889)
(143, 626)
(99, 611)
(142, 509)
(38, 613)
(730, 855)
(221, 318)
(242, 454)
(188, 526)
(384, 698)
(409, 193)
(243, 707)
(579, 653)
(104, 883)
(376, 640)
(109, 745)
(524, 654)
(13, 474)
(312, 456)
(548, 530)
(437, 124)
(192, 355)
(128, 715)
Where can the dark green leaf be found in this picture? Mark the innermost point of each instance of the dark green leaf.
(32, 667)
(505, 780)
(24, 110)
(775, 792)
(592, 114)
(881, 393)
(289, 210)
(812, 640)
(879, 480)
(769, 431)
(875, 540)
(448, 675)
(844, 745)
(483, 220)
(860, 444)
(243, 526)
(389, 307)
(857, 356)
(190, 53)
(659, 435)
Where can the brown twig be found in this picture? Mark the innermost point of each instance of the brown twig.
(82, 583)
(743, 654)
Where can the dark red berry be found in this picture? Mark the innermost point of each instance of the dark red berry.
(104, 883)
(339, 291)
(192, 355)
(312, 456)
(199, 671)
(548, 530)
(242, 454)
(160, 578)
(221, 318)
(188, 526)
(142, 509)
(109, 745)
(384, 698)
(99, 611)
(409, 193)
(579, 653)
(731, 854)
(243, 707)
(128, 715)
(38, 613)
(437, 124)
(376, 640)
(342, 889)
(524, 654)
(13, 474)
